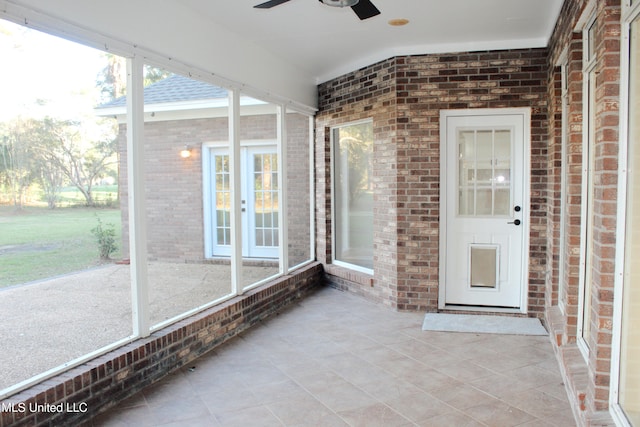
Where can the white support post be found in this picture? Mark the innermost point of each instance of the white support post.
(236, 195)
(283, 234)
(312, 189)
(135, 176)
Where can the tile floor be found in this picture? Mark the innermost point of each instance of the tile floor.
(338, 360)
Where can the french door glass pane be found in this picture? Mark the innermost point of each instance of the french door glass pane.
(266, 199)
(223, 200)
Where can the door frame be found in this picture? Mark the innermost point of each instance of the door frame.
(208, 197)
(526, 194)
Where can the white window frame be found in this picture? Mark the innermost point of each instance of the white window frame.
(563, 62)
(333, 197)
(629, 15)
(589, 64)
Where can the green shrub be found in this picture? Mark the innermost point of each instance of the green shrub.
(106, 238)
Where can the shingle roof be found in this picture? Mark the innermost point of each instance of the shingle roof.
(175, 88)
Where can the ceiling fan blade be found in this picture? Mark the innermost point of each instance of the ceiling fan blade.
(269, 4)
(365, 9)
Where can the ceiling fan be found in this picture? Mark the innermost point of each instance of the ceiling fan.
(363, 8)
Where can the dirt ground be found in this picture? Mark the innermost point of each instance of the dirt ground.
(48, 323)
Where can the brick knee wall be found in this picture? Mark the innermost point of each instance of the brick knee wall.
(77, 395)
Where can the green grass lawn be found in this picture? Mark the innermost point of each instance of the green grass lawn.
(37, 242)
(103, 195)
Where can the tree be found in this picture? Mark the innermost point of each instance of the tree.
(51, 179)
(112, 79)
(53, 152)
(17, 157)
(356, 143)
(81, 159)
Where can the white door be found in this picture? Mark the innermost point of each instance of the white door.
(485, 180)
(259, 193)
(261, 197)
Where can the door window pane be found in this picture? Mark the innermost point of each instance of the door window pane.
(222, 200)
(353, 191)
(265, 199)
(484, 172)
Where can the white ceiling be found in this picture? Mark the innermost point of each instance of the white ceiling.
(327, 42)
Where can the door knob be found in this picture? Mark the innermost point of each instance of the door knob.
(516, 222)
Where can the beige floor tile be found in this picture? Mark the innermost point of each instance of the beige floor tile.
(499, 363)
(419, 406)
(560, 419)
(556, 389)
(203, 421)
(304, 410)
(537, 403)
(259, 416)
(276, 392)
(464, 396)
(464, 370)
(229, 399)
(376, 415)
(451, 419)
(168, 388)
(126, 416)
(533, 375)
(379, 353)
(343, 397)
(430, 380)
(179, 410)
(498, 414)
(500, 386)
(338, 360)
(387, 387)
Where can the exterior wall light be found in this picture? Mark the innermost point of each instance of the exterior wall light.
(185, 153)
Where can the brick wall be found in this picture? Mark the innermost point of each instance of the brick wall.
(605, 200)
(366, 93)
(554, 183)
(298, 188)
(101, 383)
(588, 382)
(404, 96)
(174, 186)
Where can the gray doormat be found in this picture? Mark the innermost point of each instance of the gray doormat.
(484, 324)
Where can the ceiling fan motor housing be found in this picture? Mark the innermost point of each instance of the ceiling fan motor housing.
(340, 3)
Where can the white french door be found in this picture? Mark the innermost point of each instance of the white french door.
(484, 182)
(260, 201)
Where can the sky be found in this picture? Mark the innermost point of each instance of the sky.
(45, 75)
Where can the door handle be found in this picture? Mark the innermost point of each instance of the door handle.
(516, 222)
